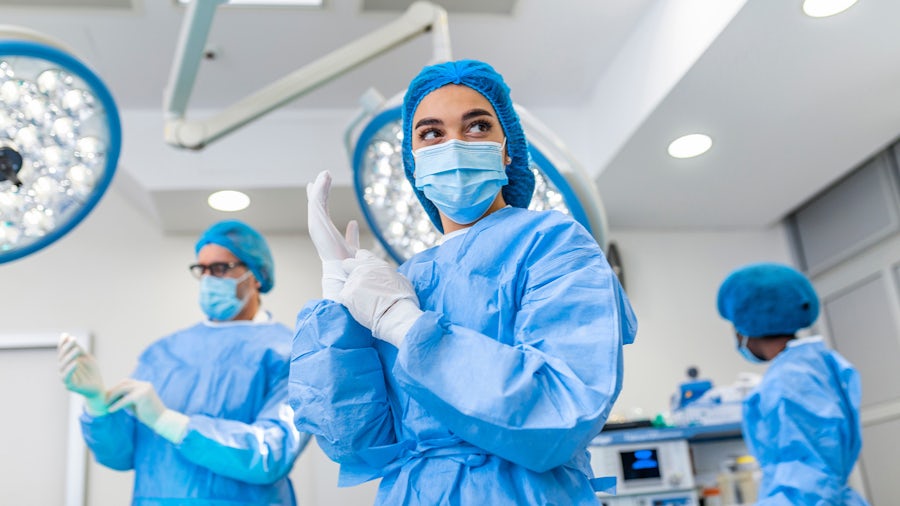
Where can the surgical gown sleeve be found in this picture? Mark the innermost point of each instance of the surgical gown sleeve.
(537, 397)
(805, 441)
(337, 386)
(260, 452)
(111, 439)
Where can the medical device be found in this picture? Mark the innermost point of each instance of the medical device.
(60, 138)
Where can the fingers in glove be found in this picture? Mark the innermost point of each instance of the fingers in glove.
(363, 257)
(317, 191)
(124, 394)
(70, 358)
(67, 343)
(67, 372)
(352, 236)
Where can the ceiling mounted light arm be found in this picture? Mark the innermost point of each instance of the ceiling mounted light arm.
(191, 44)
(419, 18)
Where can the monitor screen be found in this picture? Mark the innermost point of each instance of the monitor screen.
(640, 464)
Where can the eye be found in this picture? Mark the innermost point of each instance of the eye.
(479, 127)
(429, 134)
(218, 269)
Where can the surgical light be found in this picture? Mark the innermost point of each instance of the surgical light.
(59, 141)
(689, 146)
(398, 220)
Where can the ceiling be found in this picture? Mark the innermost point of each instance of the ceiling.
(792, 102)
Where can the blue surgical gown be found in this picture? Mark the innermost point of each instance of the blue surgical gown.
(497, 389)
(231, 380)
(802, 425)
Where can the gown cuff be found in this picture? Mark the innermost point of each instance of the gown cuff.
(396, 322)
(172, 425)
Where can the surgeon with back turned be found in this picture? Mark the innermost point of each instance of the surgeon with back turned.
(479, 371)
(802, 421)
(204, 419)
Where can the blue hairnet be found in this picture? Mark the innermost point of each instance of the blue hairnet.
(768, 299)
(245, 243)
(482, 78)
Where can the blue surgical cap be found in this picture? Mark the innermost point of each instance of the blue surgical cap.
(482, 78)
(247, 245)
(768, 299)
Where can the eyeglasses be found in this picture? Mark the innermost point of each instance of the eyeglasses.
(217, 269)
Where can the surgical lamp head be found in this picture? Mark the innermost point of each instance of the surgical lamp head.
(59, 141)
(768, 299)
(245, 243)
(482, 78)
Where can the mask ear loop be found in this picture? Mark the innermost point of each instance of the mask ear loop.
(246, 297)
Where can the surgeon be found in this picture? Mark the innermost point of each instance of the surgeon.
(204, 419)
(480, 371)
(802, 421)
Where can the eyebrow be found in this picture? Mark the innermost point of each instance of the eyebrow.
(427, 121)
(474, 113)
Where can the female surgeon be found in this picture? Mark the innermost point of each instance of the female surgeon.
(479, 372)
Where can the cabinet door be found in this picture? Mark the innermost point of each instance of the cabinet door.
(847, 218)
(43, 455)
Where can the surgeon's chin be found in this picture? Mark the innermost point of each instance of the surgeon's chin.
(452, 226)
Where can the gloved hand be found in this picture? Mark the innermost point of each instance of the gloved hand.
(331, 246)
(147, 407)
(379, 297)
(79, 372)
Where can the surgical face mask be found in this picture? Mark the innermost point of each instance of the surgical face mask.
(461, 178)
(745, 352)
(218, 297)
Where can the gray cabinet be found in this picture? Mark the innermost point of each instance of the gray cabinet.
(847, 218)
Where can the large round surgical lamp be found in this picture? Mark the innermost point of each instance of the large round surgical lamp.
(59, 141)
(395, 215)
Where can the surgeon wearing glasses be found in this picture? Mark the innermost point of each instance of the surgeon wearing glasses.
(204, 419)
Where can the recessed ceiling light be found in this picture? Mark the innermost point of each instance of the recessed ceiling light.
(690, 146)
(825, 8)
(228, 200)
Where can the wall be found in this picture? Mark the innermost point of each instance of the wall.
(672, 279)
(121, 279)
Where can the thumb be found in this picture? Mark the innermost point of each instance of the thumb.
(352, 236)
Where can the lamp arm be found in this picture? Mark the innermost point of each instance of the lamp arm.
(419, 18)
(188, 55)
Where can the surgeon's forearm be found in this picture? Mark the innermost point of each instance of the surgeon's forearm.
(517, 402)
(111, 439)
(346, 408)
(260, 453)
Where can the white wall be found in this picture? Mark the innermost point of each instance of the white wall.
(672, 279)
(117, 276)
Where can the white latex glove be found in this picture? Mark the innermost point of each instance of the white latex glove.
(379, 297)
(79, 372)
(145, 404)
(330, 244)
